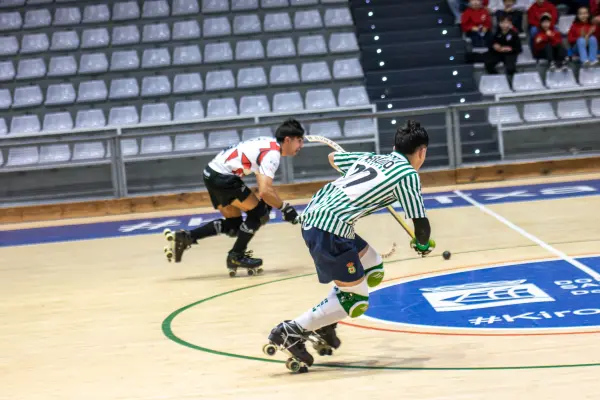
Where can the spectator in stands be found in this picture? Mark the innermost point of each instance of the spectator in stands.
(505, 48)
(476, 24)
(535, 13)
(582, 38)
(548, 44)
(516, 16)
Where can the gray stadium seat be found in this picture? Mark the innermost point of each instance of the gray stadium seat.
(274, 3)
(187, 83)
(94, 38)
(221, 139)
(315, 72)
(66, 40)
(251, 77)
(88, 150)
(125, 10)
(35, 19)
(564, 23)
(353, 96)
(183, 30)
(538, 112)
(280, 48)
(330, 129)
(525, 57)
(216, 26)
(18, 156)
(125, 60)
(156, 58)
(560, 79)
(155, 86)
(277, 22)
(3, 131)
(156, 33)
(156, 144)
(312, 45)
(589, 77)
(303, 2)
(96, 13)
(67, 16)
(60, 121)
(347, 69)
(92, 91)
(595, 107)
(493, 84)
(252, 105)
(93, 63)
(284, 74)
(187, 55)
(27, 96)
(343, 42)
(253, 133)
(61, 93)
(155, 113)
(335, 17)
(54, 153)
(214, 6)
(504, 115)
(8, 45)
(129, 147)
(218, 52)
(124, 88)
(527, 81)
(246, 24)
(122, 116)
(11, 3)
(570, 109)
(10, 21)
(5, 99)
(185, 7)
(242, 5)
(288, 102)
(360, 127)
(24, 124)
(249, 50)
(155, 9)
(89, 119)
(124, 35)
(221, 108)
(34, 43)
(220, 80)
(190, 141)
(319, 99)
(31, 68)
(188, 110)
(308, 19)
(7, 71)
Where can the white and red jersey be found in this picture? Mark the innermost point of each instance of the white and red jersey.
(260, 155)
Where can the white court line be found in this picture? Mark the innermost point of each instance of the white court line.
(529, 236)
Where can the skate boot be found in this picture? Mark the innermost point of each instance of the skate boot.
(327, 340)
(243, 260)
(290, 338)
(179, 242)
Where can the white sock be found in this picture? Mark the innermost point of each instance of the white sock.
(371, 258)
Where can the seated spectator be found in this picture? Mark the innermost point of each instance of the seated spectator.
(582, 39)
(505, 48)
(548, 44)
(476, 24)
(516, 16)
(535, 13)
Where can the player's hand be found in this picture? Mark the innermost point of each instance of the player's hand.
(289, 213)
(423, 249)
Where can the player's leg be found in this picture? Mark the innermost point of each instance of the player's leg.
(371, 261)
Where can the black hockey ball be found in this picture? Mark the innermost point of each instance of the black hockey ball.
(446, 254)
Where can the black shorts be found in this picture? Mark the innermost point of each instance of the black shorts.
(224, 189)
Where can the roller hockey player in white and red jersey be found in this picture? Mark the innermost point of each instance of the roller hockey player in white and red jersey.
(231, 196)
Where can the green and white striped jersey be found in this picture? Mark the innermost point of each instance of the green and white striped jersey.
(369, 183)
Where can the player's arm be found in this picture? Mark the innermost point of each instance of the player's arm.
(267, 192)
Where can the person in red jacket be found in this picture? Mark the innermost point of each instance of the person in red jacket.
(535, 13)
(548, 44)
(476, 23)
(581, 38)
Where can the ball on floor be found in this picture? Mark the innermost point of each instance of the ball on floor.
(446, 254)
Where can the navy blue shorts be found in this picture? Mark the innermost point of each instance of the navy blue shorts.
(335, 257)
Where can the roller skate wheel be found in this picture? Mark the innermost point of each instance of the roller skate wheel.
(250, 272)
(259, 271)
(323, 352)
(269, 349)
(166, 231)
(170, 236)
(293, 365)
(232, 273)
(303, 370)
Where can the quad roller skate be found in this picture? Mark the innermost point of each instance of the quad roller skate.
(243, 260)
(289, 338)
(179, 242)
(325, 340)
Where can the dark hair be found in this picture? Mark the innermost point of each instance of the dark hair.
(505, 18)
(409, 138)
(289, 128)
(545, 17)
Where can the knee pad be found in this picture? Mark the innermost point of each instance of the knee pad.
(231, 226)
(354, 299)
(257, 217)
(373, 265)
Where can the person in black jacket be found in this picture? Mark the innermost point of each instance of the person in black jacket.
(516, 16)
(505, 48)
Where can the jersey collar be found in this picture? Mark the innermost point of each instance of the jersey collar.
(400, 156)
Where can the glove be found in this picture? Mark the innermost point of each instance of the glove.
(289, 213)
(423, 249)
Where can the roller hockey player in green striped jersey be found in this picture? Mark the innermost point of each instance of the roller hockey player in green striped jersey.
(369, 183)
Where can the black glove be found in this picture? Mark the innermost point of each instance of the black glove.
(289, 213)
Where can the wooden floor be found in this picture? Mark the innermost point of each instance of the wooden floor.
(87, 320)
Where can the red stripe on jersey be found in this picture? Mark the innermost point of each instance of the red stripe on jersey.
(263, 152)
(246, 162)
(232, 155)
